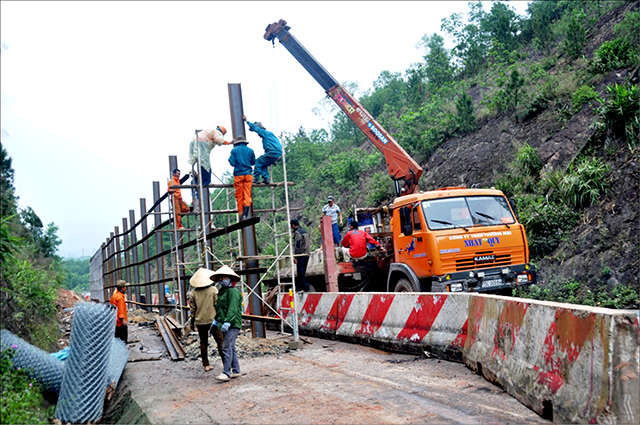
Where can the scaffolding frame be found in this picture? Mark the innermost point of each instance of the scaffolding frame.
(120, 252)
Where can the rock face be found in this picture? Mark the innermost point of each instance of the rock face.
(605, 246)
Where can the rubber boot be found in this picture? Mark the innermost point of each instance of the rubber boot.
(245, 213)
(204, 355)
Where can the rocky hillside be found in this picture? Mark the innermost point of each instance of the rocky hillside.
(605, 245)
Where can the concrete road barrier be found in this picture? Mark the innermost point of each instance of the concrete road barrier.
(568, 363)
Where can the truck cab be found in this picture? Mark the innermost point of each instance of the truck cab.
(457, 239)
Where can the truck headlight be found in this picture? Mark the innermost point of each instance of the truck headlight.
(456, 287)
(523, 278)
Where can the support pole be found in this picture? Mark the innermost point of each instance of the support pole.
(330, 265)
(145, 254)
(248, 233)
(125, 253)
(134, 254)
(157, 220)
(179, 255)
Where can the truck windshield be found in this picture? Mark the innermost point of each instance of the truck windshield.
(449, 213)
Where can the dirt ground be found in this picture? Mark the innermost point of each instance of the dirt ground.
(322, 382)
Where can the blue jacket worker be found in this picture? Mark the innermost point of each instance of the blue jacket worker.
(272, 151)
(241, 159)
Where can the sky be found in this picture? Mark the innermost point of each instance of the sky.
(97, 95)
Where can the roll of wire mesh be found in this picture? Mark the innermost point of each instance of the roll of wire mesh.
(84, 381)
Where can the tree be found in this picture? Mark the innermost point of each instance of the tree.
(576, 35)
(466, 119)
(438, 68)
(541, 18)
(471, 41)
(502, 26)
(8, 200)
(416, 77)
(513, 89)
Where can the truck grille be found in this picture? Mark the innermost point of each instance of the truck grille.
(487, 259)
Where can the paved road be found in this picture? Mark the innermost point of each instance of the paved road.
(324, 382)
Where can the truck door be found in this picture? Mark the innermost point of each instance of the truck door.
(412, 246)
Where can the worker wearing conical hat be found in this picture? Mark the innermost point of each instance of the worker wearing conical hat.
(229, 319)
(202, 302)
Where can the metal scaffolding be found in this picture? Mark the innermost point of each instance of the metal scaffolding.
(177, 254)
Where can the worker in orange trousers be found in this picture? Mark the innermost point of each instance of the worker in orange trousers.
(242, 160)
(179, 206)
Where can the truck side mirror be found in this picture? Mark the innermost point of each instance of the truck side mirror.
(405, 221)
(512, 202)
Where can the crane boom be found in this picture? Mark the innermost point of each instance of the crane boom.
(400, 164)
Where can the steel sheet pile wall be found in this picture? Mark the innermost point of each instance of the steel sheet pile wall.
(38, 364)
(83, 385)
(570, 363)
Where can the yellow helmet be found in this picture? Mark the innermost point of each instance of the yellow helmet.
(222, 129)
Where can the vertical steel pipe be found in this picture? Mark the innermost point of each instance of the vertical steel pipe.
(125, 254)
(248, 233)
(179, 258)
(157, 221)
(134, 254)
(145, 252)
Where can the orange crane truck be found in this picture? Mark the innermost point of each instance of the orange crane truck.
(452, 239)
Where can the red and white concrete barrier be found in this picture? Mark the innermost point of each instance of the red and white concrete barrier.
(567, 362)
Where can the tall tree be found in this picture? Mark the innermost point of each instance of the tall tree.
(438, 62)
(8, 200)
(576, 37)
(502, 25)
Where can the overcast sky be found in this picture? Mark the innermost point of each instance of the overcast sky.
(97, 95)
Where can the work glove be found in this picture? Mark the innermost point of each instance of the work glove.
(225, 327)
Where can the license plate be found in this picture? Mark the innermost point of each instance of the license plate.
(490, 283)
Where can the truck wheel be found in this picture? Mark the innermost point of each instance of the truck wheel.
(405, 285)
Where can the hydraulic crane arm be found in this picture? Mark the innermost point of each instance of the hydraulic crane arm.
(400, 165)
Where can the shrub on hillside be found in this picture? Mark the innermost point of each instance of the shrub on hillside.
(22, 400)
(584, 94)
(612, 55)
(575, 292)
(546, 223)
(620, 113)
(581, 185)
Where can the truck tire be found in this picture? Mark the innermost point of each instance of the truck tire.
(405, 285)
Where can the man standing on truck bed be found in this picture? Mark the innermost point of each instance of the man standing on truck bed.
(333, 211)
(303, 247)
(356, 240)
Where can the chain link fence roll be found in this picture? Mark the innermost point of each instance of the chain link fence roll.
(37, 363)
(83, 386)
(117, 361)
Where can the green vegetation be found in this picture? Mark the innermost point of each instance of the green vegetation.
(574, 292)
(22, 401)
(30, 272)
(76, 274)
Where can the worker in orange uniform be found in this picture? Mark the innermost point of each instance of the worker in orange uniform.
(119, 301)
(179, 206)
(242, 160)
(356, 242)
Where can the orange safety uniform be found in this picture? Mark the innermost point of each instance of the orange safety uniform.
(242, 185)
(179, 206)
(118, 300)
